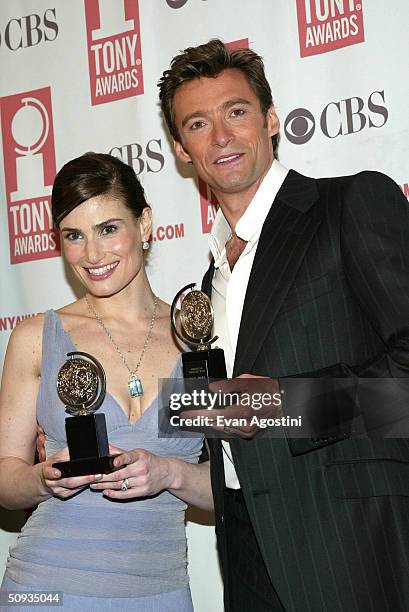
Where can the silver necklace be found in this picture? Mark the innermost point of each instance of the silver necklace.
(134, 382)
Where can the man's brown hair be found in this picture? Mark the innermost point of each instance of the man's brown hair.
(209, 60)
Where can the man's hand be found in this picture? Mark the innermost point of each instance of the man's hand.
(40, 443)
(258, 396)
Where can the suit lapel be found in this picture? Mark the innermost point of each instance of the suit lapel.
(207, 279)
(215, 446)
(285, 237)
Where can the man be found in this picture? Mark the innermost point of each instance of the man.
(309, 278)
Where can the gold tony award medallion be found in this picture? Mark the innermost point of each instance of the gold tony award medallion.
(192, 321)
(81, 386)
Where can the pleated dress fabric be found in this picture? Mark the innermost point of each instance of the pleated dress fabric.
(97, 550)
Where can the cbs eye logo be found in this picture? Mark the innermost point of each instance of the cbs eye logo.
(299, 126)
(176, 4)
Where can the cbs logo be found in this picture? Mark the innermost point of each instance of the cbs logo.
(348, 116)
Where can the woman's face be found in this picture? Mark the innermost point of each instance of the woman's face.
(102, 242)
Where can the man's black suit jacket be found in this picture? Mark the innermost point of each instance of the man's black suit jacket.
(329, 288)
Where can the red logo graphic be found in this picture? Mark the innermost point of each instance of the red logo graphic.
(169, 232)
(208, 206)
(405, 190)
(9, 323)
(208, 201)
(326, 25)
(29, 168)
(114, 49)
(243, 43)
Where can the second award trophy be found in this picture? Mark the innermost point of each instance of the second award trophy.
(81, 386)
(192, 321)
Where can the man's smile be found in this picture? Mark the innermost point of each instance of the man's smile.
(228, 159)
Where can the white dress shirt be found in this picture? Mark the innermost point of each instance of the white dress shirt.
(229, 287)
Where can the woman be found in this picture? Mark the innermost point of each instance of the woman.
(81, 540)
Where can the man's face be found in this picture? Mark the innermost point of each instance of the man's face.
(224, 132)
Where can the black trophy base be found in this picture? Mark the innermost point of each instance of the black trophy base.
(209, 364)
(87, 441)
(87, 465)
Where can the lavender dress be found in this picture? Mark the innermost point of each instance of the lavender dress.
(103, 554)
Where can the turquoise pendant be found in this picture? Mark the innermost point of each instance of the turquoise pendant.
(135, 386)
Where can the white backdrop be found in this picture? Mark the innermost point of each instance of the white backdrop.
(81, 75)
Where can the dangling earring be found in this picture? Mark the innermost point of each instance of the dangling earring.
(145, 245)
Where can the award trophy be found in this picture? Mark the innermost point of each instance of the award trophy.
(81, 385)
(196, 322)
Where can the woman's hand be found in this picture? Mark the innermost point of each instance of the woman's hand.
(143, 473)
(62, 487)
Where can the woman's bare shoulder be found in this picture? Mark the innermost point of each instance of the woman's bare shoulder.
(28, 334)
(26, 339)
(29, 329)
